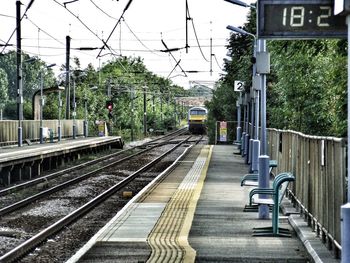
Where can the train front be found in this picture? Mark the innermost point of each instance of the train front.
(197, 120)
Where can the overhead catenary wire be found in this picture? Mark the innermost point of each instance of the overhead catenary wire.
(25, 12)
(77, 17)
(105, 43)
(139, 40)
(124, 48)
(217, 61)
(48, 34)
(130, 30)
(44, 31)
(99, 8)
(188, 17)
(173, 57)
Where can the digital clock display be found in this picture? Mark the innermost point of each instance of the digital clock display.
(299, 19)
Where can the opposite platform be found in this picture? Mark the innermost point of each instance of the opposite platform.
(29, 161)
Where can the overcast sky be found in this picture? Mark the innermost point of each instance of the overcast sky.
(146, 23)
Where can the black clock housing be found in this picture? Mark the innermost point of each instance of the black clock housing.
(299, 19)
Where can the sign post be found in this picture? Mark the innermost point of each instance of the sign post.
(223, 131)
(239, 87)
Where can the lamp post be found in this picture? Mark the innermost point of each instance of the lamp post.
(262, 57)
(42, 101)
(59, 132)
(74, 113)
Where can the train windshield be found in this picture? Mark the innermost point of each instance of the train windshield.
(197, 112)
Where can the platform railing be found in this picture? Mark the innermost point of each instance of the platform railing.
(319, 166)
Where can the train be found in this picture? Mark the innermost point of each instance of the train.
(197, 120)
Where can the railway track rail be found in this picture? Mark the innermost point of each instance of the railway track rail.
(43, 235)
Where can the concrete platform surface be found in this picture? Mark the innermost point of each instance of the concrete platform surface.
(195, 214)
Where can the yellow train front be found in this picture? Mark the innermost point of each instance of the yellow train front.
(197, 120)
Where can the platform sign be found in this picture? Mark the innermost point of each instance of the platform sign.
(223, 131)
(238, 85)
(102, 128)
(299, 19)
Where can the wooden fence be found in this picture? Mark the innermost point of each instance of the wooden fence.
(31, 129)
(319, 165)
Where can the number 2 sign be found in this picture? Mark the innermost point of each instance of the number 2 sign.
(239, 85)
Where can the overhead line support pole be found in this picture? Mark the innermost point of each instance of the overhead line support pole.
(19, 80)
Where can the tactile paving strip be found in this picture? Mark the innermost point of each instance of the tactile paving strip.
(168, 238)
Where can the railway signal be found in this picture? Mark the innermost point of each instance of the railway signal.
(109, 105)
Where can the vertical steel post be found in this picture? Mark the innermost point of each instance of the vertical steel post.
(251, 132)
(144, 112)
(59, 133)
(345, 209)
(263, 158)
(67, 78)
(19, 80)
(244, 124)
(246, 139)
(252, 151)
(85, 117)
(74, 112)
(239, 129)
(132, 113)
(256, 142)
(41, 107)
(175, 114)
(161, 108)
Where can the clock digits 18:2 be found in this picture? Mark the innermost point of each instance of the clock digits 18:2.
(299, 19)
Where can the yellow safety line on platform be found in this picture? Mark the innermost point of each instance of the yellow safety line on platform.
(169, 238)
(190, 254)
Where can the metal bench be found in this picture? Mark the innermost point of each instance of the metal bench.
(279, 187)
(252, 179)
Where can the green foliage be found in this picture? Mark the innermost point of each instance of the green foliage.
(309, 87)
(3, 88)
(126, 79)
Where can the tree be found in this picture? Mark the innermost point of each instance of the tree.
(3, 91)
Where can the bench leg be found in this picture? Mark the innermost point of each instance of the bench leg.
(274, 230)
(270, 234)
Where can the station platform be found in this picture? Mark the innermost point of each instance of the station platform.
(195, 214)
(28, 161)
(14, 152)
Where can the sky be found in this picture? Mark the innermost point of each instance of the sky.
(139, 34)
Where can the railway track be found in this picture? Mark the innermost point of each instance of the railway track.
(46, 178)
(35, 239)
